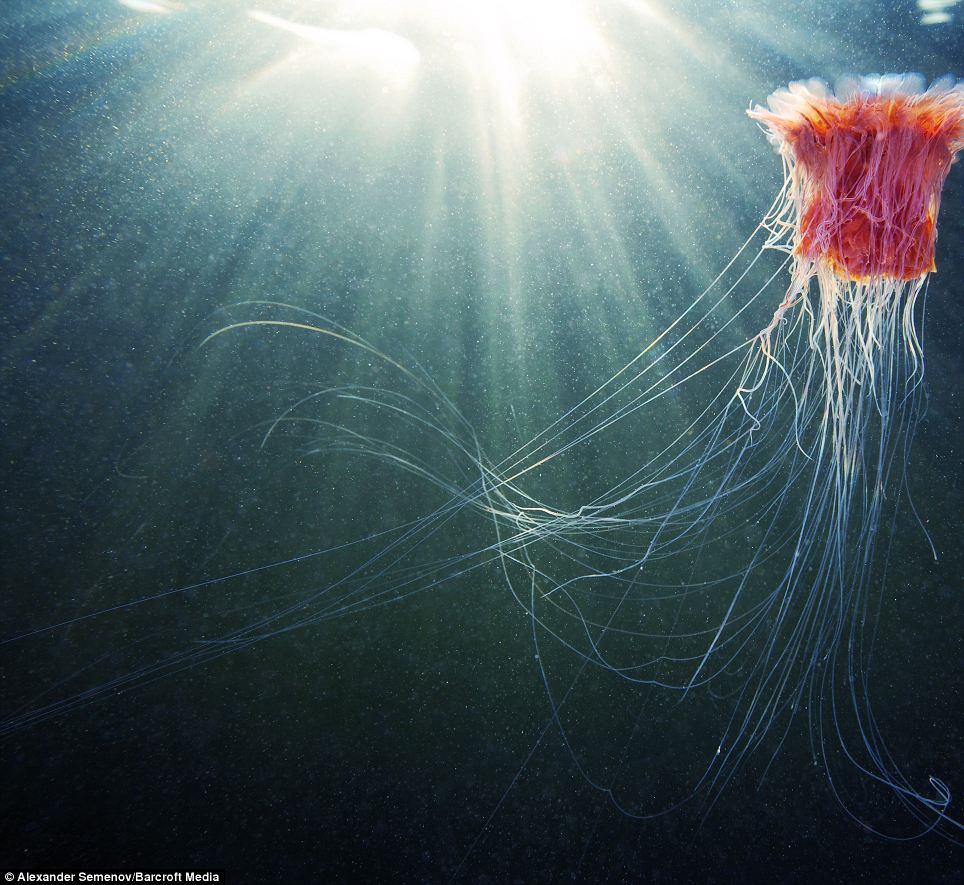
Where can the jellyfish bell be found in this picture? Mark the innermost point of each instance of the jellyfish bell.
(867, 166)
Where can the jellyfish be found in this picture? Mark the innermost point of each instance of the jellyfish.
(737, 567)
(808, 435)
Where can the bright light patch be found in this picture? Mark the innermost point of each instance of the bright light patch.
(554, 37)
(550, 37)
(157, 7)
(392, 57)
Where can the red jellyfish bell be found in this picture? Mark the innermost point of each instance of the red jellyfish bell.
(867, 165)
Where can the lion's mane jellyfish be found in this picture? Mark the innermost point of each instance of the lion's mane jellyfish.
(805, 442)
